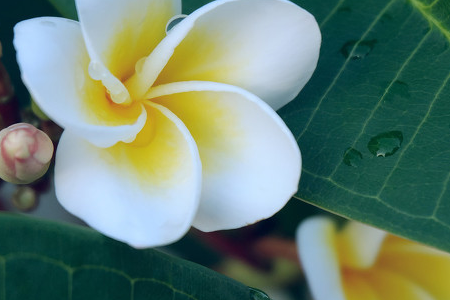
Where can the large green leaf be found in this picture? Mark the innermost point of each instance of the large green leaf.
(45, 260)
(373, 124)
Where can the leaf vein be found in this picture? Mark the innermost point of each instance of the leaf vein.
(376, 197)
(380, 101)
(332, 13)
(71, 270)
(46, 259)
(424, 11)
(344, 66)
(440, 222)
(166, 284)
(441, 195)
(424, 119)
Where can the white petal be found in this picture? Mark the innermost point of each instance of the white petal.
(152, 65)
(251, 162)
(145, 193)
(316, 244)
(360, 245)
(118, 33)
(54, 65)
(269, 47)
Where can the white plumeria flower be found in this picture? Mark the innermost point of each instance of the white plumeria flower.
(164, 131)
(361, 262)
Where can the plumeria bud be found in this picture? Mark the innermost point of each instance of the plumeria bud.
(25, 153)
(24, 198)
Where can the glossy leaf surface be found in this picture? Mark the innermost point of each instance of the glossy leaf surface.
(46, 260)
(373, 124)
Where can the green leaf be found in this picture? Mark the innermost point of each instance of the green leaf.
(45, 260)
(66, 8)
(373, 124)
(11, 13)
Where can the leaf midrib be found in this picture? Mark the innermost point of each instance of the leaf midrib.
(424, 10)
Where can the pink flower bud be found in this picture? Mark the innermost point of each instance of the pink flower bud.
(25, 153)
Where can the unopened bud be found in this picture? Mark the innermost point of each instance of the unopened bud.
(24, 198)
(25, 153)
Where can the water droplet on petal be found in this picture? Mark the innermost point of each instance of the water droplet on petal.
(174, 21)
(258, 294)
(357, 49)
(352, 157)
(386, 143)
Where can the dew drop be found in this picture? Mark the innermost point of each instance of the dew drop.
(174, 21)
(386, 143)
(400, 89)
(352, 157)
(258, 294)
(357, 49)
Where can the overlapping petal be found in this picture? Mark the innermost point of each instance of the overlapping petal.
(253, 44)
(316, 240)
(118, 33)
(251, 162)
(387, 285)
(359, 245)
(391, 268)
(396, 252)
(145, 193)
(54, 65)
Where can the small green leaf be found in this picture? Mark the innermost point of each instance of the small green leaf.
(373, 123)
(45, 260)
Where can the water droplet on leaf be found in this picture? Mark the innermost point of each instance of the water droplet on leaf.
(400, 89)
(258, 294)
(174, 21)
(357, 49)
(386, 143)
(352, 157)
